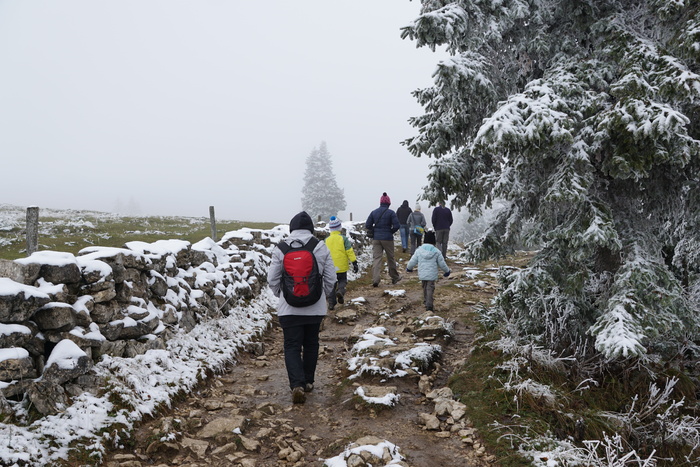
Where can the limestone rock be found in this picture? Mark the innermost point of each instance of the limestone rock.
(47, 397)
(197, 447)
(250, 444)
(430, 421)
(104, 312)
(67, 273)
(5, 408)
(347, 314)
(55, 316)
(223, 425)
(18, 302)
(16, 364)
(112, 330)
(67, 361)
(21, 335)
(25, 274)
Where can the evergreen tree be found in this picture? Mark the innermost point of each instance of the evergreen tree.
(583, 116)
(320, 195)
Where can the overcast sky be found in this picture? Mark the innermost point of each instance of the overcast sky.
(179, 105)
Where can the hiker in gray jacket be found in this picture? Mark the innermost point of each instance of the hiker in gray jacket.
(301, 325)
(428, 259)
(416, 226)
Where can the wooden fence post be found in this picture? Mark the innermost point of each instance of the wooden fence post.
(212, 220)
(32, 229)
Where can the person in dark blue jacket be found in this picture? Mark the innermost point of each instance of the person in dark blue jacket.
(442, 221)
(385, 223)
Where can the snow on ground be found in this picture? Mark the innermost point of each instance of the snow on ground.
(141, 384)
(373, 346)
(385, 451)
(390, 399)
(396, 293)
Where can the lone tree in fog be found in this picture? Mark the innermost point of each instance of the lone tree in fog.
(583, 117)
(321, 195)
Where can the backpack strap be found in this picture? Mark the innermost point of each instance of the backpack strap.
(382, 215)
(310, 245)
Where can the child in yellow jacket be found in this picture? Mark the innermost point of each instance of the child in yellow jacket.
(343, 255)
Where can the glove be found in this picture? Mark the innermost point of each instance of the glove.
(409, 270)
(447, 274)
(355, 269)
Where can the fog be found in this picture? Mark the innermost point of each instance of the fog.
(168, 107)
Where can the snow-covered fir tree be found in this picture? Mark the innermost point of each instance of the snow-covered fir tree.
(321, 195)
(584, 117)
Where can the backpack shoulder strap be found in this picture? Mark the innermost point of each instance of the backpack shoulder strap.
(382, 215)
(311, 244)
(283, 246)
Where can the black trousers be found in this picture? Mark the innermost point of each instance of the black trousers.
(300, 350)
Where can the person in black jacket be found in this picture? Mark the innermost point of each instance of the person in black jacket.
(385, 224)
(402, 214)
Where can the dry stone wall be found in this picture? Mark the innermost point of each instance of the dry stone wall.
(60, 313)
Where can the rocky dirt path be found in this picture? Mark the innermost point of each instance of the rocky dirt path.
(245, 417)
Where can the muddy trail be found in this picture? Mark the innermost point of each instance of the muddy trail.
(245, 417)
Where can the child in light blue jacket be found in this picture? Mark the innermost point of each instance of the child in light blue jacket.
(428, 259)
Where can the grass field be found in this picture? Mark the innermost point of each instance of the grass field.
(72, 230)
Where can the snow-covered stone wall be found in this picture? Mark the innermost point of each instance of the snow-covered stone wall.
(60, 313)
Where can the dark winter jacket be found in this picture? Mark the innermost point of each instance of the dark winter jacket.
(403, 212)
(442, 218)
(385, 223)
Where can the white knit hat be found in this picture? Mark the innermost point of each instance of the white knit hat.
(335, 223)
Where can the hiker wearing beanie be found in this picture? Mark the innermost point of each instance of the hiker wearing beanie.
(383, 224)
(416, 225)
(428, 259)
(343, 256)
(402, 214)
(301, 324)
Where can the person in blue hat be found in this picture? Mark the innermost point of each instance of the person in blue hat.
(343, 256)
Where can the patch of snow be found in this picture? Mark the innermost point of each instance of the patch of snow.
(390, 399)
(65, 355)
(10, 287)
(13, 353)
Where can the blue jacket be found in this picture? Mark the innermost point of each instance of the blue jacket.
(442, 218)
(385, 223)
(428, 258)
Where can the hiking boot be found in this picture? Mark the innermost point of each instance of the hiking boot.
(298, 395)
(376, 284)
(396, 280)
(331, 307)
(341, 299)
(308, 387)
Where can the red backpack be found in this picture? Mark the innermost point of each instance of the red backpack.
(302, 283)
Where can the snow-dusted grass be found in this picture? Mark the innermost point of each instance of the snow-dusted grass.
(71, 230)
(538, 397)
